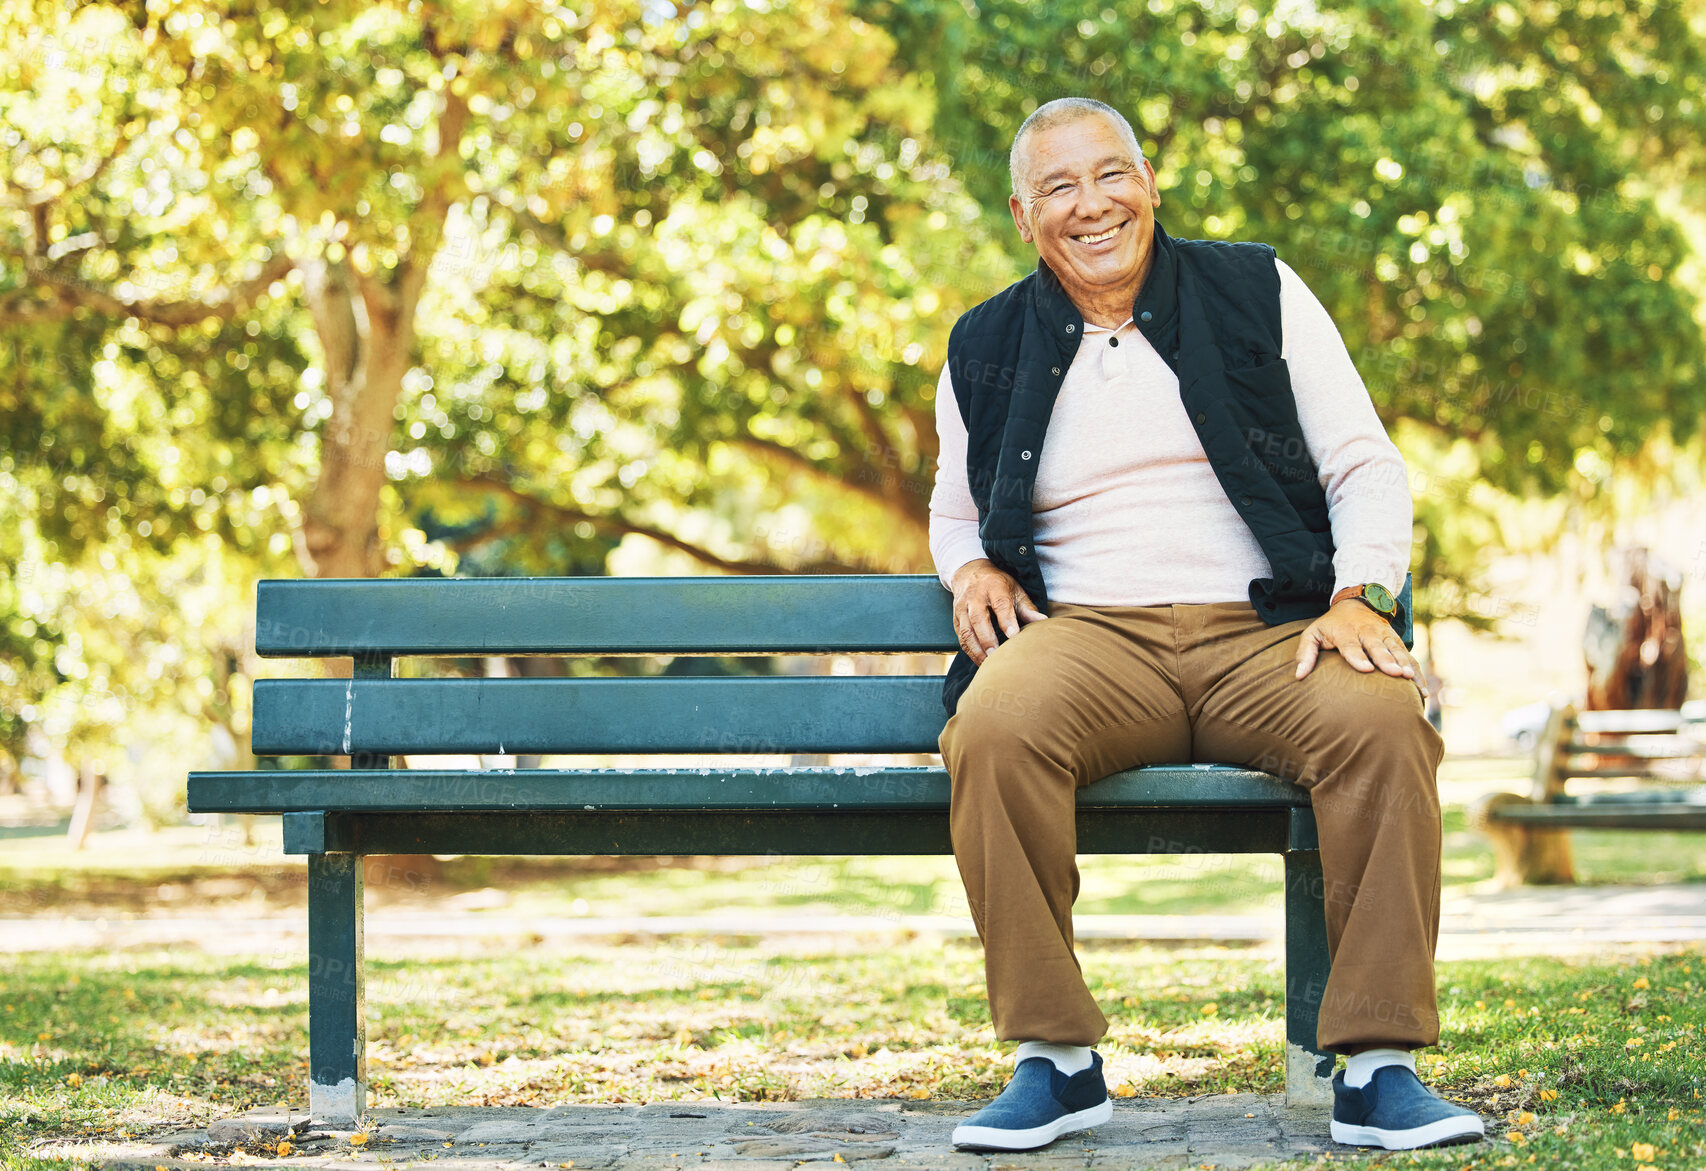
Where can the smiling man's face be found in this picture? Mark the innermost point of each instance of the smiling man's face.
(1089, 207)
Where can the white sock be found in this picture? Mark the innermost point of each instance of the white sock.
(1069, 1059)
(1360, 1067)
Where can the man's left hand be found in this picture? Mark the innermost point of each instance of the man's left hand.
(1365, 640)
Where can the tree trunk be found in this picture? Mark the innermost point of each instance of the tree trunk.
(89, 783)
(366, 332)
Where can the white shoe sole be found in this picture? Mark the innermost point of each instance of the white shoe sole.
(991, 1138)
(1445, 1131)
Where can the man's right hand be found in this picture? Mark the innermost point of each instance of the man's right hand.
(986, 597)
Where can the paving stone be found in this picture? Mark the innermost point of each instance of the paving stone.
(831, 1121)
(552, 1155)
(274, 1122)
(1145, 1134)
(501, 1132)
(404, 1132)
(809, 1146)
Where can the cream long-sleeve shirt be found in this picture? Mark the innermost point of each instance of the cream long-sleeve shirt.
(1128, 511)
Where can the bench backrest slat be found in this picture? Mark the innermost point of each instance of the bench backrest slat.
(603, 615)
(753, 714)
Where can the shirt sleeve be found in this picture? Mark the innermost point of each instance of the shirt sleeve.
(953, 513)
(1361, 471)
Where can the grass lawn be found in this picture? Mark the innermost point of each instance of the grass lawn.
(1576, 1065)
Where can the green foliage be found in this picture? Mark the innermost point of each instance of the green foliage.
(518, 287)
(1474, 190)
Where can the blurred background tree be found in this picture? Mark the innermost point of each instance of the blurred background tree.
(495, 287)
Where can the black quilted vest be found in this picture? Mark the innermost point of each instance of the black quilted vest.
(1211, 309)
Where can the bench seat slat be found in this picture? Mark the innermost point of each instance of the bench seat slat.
(771, 832)
(776, 614)
(1607, 815)
(823, 789)
(756, 715)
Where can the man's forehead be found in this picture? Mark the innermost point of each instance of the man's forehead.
(1088, 142)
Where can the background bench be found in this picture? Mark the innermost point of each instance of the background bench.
(1655, 749)
(336, 816)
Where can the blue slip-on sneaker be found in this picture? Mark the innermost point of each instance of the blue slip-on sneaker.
(1396, 1111)
(1038, 1106)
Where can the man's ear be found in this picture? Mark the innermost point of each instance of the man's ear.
(1154, 186)
(1018, 210)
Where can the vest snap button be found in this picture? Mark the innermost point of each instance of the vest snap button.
(1146, 315)
(1072, 329)
(1201, 418)
(1054, 370)
(1024, 455)
(1244, 500)
(1024, 550)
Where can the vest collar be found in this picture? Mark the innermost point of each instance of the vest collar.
(1159, 298)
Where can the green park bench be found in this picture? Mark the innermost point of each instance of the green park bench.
(1658, 755)
(337, 816)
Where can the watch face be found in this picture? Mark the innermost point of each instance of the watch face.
(1381, 598)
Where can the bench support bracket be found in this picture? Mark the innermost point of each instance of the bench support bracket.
(337, 1019)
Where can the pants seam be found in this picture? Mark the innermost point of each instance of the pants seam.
(1077, 751)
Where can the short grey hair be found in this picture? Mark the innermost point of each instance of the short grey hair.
(1059, 112)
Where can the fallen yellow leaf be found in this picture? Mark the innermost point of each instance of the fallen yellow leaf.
(359, 1138)
(919, 1093)
(284, 1148)
(74, 1080)
(1548, 1095)
(1503, 1081)
(1643, 1152)
(1125, 1090)
(1640, 983)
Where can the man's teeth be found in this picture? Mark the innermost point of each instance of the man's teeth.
(1099, 236)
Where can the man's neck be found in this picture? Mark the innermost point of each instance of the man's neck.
(1111, 309)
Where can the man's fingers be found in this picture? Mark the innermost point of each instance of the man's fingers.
(1027, 610)
(1308, 650)
(982, 633)
(1002, 604)
(1387, 658)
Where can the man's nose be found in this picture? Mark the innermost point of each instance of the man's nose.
(1092, 200)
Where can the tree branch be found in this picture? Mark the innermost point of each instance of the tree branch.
(616, 524)
(871, 489)
(70, 292)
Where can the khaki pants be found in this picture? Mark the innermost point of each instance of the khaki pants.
(1091, 691)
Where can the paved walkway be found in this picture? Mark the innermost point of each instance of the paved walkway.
(1223, 1131)
(1525, 921)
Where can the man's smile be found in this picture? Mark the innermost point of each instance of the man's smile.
(1098, 237)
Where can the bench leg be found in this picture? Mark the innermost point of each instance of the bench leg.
(337, 1025)
(1308, 1071)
